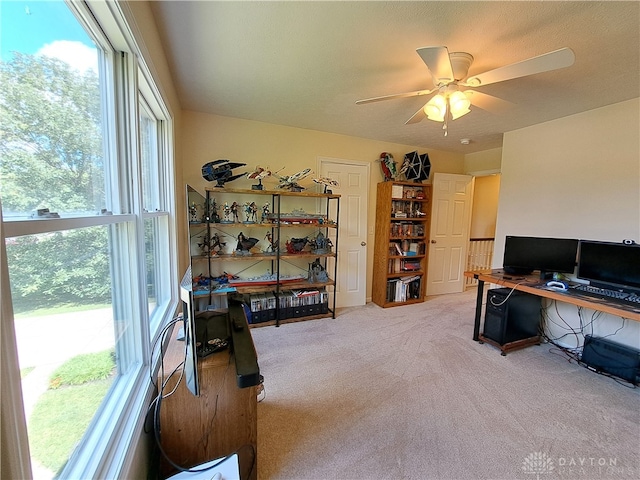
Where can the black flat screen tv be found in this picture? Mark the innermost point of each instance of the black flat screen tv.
(610, 265)
(523, 255)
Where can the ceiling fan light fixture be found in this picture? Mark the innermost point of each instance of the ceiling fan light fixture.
(436, 108)
(458, 104)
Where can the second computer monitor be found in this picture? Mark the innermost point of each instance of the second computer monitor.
(523, 255)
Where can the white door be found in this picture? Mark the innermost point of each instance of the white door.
(449, 233)
(351, 281)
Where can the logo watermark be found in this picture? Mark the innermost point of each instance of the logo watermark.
(540, 464)
(537, 463)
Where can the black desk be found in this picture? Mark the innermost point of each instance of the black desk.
(532, 284)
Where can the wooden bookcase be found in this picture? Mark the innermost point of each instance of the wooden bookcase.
(403, 214)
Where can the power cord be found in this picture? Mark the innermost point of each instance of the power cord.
(574, 354)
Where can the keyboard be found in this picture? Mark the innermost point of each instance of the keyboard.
(616, 295)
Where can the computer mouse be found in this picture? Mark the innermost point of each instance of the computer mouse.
(554, 285)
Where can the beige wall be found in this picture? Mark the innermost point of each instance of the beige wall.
(483, 163)
(210, 137)
(485, 206)
(576, 177)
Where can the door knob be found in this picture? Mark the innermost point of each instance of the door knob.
(433, 241)
(364, 244)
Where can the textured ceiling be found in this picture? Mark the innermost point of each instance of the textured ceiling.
(304, 64)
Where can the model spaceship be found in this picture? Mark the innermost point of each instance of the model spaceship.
(291, 181)
(327, 182)
(416, 167)
(259, 173)
(221, 171)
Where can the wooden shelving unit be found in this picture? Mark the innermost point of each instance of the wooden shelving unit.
(403, 213)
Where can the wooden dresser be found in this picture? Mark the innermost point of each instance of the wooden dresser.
(219, 422)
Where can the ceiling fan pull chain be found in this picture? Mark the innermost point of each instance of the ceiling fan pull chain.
(446, 121)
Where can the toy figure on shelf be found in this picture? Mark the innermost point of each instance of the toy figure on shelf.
(234, 212)
(245, 244)
(216, 245)
(211, 245)
(224, 278)
(272, 246)
(250, 212)
(265, 212)
(204, 245)
(201, 282)
(321, 244)
(317, 273)
(211, 214)
(226, 211)
(193, 213)
(296, 245)
(388, 166)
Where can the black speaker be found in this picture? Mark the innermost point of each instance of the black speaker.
(511, 316)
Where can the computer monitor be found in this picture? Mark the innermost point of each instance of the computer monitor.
(523, 255)
(610, 265)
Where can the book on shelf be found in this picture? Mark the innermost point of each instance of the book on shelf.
(403, 289)
(396, 191)
(410, 265)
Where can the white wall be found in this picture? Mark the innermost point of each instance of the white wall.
(576, 177)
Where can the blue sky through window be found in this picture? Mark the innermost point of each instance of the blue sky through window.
(46, 28)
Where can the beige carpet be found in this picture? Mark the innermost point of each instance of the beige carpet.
(405, 393)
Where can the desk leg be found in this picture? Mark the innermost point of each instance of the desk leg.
(479, 298)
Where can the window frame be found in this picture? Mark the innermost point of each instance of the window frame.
(106, 448)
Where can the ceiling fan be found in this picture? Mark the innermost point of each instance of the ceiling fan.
(455, 95)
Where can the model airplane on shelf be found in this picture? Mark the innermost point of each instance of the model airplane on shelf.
(327, 182)
(221, 171)
(291, 181)
(259, 173)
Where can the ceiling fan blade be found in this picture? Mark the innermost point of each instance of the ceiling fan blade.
(416, 117)
(488, 102)
(417, 93)
(438, 62)
(542, 63)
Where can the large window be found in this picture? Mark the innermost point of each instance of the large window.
(87, 206)
(155, 210)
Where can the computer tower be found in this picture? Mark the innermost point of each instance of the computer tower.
(511, 316)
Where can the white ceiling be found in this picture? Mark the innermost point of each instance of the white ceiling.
(304, 64)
